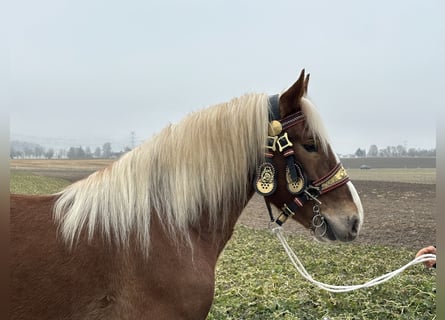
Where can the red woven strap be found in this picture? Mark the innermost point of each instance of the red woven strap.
(334, 179)
(292, 120)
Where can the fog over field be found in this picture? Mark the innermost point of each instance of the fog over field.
(82, 73)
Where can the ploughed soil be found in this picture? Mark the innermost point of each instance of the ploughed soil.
(396, 214)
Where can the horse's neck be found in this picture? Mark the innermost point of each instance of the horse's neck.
(221, 235)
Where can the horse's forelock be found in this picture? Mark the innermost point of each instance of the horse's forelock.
(314, 123)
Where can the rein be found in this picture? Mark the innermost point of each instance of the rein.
(335, 288)
(302, 190)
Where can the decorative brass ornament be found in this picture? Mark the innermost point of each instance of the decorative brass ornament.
(294, 186)
(339, 176)
(265, 183)
(271, 142)
(283, 142)
(275, 128)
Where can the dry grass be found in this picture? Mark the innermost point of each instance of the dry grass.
(90, 164)
(426, 176)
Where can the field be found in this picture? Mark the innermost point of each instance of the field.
(255, 280)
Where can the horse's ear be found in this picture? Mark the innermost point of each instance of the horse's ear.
(290, 100)
(306, 83)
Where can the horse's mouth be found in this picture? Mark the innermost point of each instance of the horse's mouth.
(330, 235)
(326, 234)
(334, 232)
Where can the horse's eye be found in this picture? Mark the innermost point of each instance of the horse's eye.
(310, 147)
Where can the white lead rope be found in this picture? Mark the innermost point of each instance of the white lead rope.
(333, 288)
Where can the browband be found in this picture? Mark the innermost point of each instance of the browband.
(276, 124)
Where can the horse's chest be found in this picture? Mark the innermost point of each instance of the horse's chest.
(183, 295)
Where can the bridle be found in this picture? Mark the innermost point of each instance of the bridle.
(301, 189)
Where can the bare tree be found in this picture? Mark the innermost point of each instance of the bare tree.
(401, 151)
(88, 153)
(97, 153)
(373, 151)
(49, 153)
(360, 153)
(106, 150)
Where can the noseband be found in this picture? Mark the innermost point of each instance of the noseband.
(297, 184)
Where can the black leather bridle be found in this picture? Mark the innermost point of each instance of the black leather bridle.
(301, 189)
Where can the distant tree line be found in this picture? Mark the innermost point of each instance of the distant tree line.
(394, 151)
(27, 150)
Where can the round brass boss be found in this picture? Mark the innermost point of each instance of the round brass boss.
(275, 128)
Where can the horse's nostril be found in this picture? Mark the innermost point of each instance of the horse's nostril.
(354, 226)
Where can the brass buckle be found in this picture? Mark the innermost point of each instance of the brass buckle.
(285, 213)
(287, 210)
(283, 145)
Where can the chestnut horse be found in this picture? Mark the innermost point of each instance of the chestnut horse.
(140, 239)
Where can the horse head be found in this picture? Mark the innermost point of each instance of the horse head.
(302, 176)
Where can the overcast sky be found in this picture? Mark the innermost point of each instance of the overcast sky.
(88, 72)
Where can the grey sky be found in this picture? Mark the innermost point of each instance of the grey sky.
(88, 72)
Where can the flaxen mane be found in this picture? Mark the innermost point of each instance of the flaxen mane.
(205, 162)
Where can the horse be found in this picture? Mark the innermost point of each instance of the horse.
(140, 239)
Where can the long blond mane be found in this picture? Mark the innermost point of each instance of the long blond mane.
(205, 163)
(202, 163)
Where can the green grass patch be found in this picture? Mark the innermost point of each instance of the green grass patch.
(255, 280)
(28, 183)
